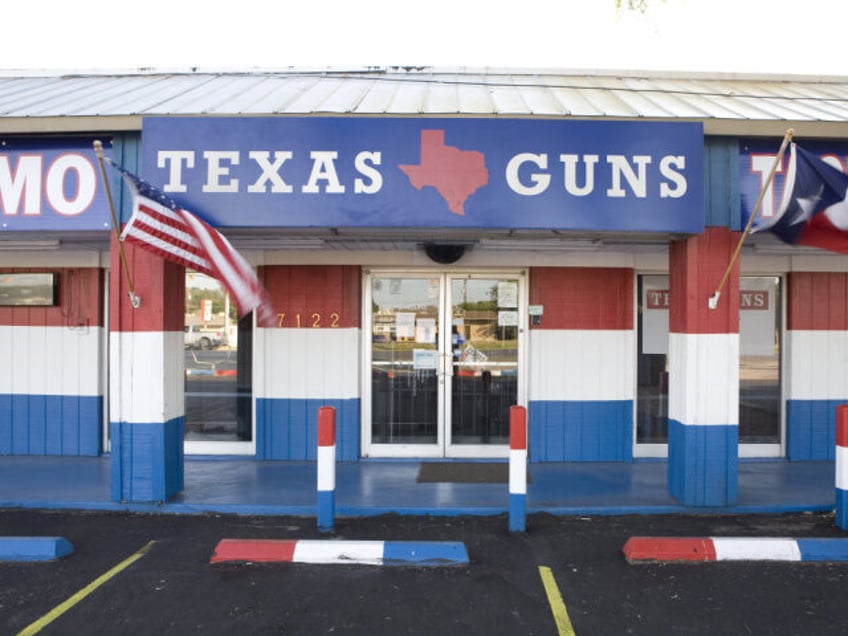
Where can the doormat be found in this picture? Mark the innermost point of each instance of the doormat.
(465, 473)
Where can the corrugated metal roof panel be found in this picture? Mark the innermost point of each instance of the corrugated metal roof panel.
(36, 94)
(286, 93)
(299, 94)
(250, 97)
(442, 98)
(542, 102)
(218, 95)
(14, 93)
(378, 100)
(396, 91)
(476, 99)
(607, 103)
(409, 98)
(347, 96)
(508, 100)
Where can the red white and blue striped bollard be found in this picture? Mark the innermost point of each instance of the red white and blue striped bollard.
(326, 468)
(842, 466)
(517, 469)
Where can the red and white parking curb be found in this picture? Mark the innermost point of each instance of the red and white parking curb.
(699, 549)
(438, 553)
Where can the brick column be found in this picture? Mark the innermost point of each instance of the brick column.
(703, 427)
(146, 377)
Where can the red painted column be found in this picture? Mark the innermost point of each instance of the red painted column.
(703, 371)
(147, 407)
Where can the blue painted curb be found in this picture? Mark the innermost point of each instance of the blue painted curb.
(34, 548)
(425, 553)
(323, 552)
(823, 549)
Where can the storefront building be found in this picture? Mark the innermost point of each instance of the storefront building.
(437, 248)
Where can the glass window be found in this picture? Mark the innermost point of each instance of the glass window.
(217, 349)
(652, 372)
(759, 360)
(404, 364)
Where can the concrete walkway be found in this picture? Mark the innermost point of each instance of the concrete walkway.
(369, 487)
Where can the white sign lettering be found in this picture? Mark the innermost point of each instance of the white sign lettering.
(630, 171)
(21, 186)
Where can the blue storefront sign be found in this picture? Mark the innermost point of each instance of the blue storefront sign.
(756, 158)
(51, 185)
(417, 172)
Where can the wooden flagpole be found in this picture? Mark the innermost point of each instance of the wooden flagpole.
(135, 301)
(713, 301)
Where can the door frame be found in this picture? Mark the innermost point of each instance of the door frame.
(442, 448)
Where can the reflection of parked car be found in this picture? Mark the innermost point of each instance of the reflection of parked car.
(198, 337)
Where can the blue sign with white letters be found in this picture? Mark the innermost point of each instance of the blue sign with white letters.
(756, 160)
(51, 184)
(301, 172)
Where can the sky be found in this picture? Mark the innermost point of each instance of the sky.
(727, 36)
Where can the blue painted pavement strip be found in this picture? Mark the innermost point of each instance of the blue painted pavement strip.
(239, 485)
(34, 548)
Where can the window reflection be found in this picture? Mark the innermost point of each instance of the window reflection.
(217, 364)
(759, 360)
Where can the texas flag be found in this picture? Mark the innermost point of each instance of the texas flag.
(813, 210)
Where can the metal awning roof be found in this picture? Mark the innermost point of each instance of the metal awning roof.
(32, 102)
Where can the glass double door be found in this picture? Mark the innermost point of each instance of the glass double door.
(444, 359)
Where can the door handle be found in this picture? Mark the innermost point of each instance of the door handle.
(441, 369)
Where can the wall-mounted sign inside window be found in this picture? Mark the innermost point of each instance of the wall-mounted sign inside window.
(749, 299)
(756, 316)
(28, 289)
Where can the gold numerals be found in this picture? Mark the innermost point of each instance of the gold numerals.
(307, 320)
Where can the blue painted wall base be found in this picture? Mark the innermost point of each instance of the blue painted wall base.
(580, 431)
(811, 429)
(703, 463)
(50, 424)
(147, 460)
(288, 429)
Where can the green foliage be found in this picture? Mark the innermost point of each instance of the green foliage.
(632, 5)
(480, 305)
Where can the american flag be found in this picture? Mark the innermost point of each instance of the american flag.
(159, 225)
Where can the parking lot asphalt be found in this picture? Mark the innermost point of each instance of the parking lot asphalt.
(151, 574)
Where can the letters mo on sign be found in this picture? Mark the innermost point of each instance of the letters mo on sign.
(51, 185)
(430, 172)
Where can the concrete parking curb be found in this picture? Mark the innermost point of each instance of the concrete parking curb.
(34, 548)
(705, 549)
(429, 554)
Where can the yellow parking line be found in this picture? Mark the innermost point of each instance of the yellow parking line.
(57, 611)
(561, 619)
